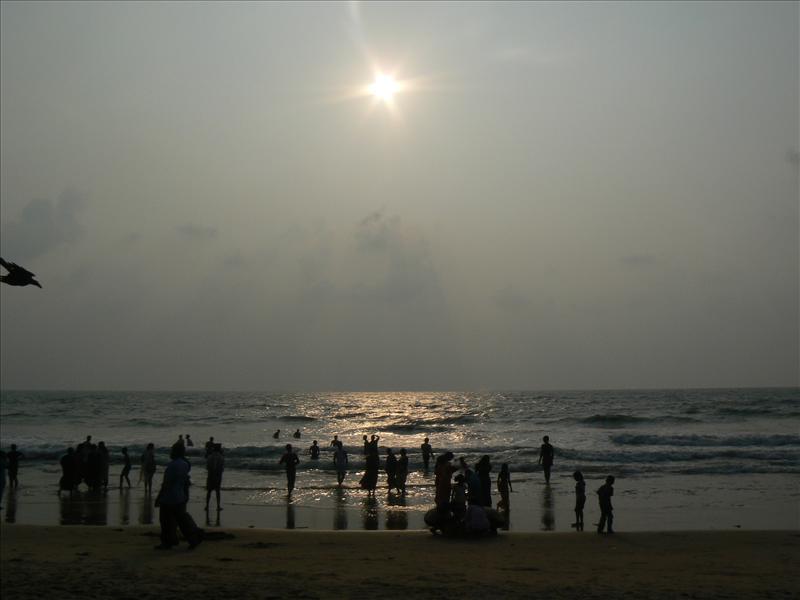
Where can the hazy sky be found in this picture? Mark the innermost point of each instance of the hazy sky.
(563, 196)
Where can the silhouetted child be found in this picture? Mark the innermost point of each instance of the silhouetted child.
(606, 510)
(546, 455)
(504, 487)
(296, 434)
(580, 499)
(126, 468)
(458, 497)
(189, 442)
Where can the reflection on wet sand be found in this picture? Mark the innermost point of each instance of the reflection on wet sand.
(84, 508)
(548, 513)
(289, 513)
(146, 510)
(396, 519)
(506, 513)
(369, 512)
(216, 522)
(11, 505)
(124, 506)
(340, 510)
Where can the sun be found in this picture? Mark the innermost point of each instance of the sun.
(384, 87)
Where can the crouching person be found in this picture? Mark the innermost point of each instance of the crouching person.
(172, 500)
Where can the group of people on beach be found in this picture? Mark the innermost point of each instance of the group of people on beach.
(457, 488)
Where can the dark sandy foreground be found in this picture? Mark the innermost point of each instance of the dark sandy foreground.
(97, 562)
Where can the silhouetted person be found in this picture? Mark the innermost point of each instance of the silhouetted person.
(148, 468)
(82, 450)
(215, 465)
(458, 497)
(69, 472)
(546, 455)
(444, 471)
(483, 469)
(209, 446)
(3, 469)
(180, 441)
(340, 461)
(276, 435)
(391, 469)
(189, 442)
(369, 481)
(126, 468)
(105, 461)
(314, 450)
(17, 275)
(172, 499)
(402, 471)
(373, 444)
(427, 453)
(94, 468)
(13, 458)
(291, 461)
(296, 434)
(504, 487)
(580, 499)
(334, 442)
(366, 445)
(606, 510)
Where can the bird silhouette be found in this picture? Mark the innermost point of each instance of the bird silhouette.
(17, 275)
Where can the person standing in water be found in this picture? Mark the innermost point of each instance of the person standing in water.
(314, 450)
(148, 467)
(483, 468)
(402, 471)
(12, 459)
(215, 465)
(427, 453)
(340, 460)
(444, 471)
(546, 455)
(504, 487)
(580, 499)
(126, 468)
(606, 510)
(296, 434)
(276, 435)
(291, 461)
(391, 469)
(3, 467)
(189, 442)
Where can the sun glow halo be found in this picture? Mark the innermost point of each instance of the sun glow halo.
(384, 87)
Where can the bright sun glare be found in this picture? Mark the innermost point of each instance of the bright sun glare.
(384, 87)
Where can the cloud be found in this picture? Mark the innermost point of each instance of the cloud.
(196, 232)
(511, 299)
(44, 225)
(637, 261)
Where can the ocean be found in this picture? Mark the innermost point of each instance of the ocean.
(682, 458)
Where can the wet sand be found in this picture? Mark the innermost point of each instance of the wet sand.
(101, 562)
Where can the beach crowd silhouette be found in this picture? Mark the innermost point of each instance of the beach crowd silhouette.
(463, 503)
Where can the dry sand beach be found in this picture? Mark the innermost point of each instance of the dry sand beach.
(87, 562)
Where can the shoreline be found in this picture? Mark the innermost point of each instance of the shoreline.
(100, 562)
